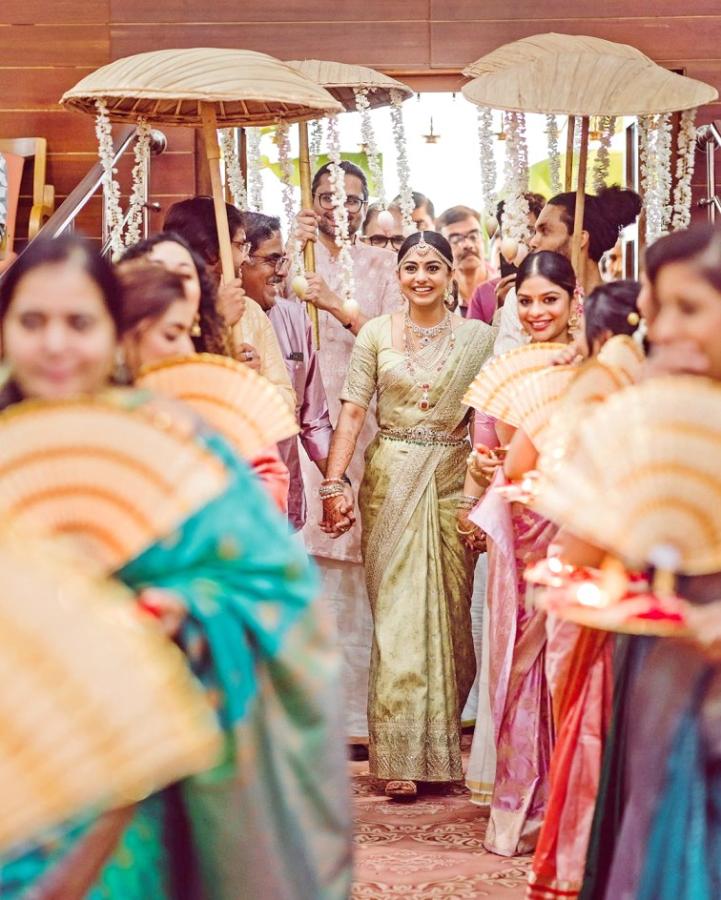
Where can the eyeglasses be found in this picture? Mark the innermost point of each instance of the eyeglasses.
(473, 236)
(381, 240)
(353, 203)
(243, 247)
(274, 260)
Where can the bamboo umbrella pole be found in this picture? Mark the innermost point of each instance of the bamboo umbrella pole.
(306, 202)
(212, 152)
(570, 135)
(576, 257)
(243, 155)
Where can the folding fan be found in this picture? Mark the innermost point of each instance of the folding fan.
(591, 384)
(240, 404)
(98, 707)
(109, 478)
(535, 398)
(624, 353)
(643, 480)
(494, 386)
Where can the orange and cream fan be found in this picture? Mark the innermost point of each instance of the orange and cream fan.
(241, 405)
(110, 480)
(492, 391)
(98, 707)
(641, 481)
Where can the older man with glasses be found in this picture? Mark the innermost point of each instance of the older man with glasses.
(377, 293)
(461, 227)
(264, 274)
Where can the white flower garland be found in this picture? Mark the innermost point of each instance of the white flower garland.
(138, 191)
(255, 177)
(488, 160)
(315, 142)
(111, 188)
(233, 171)
(286, 175)
(515, 209)
(404, 172)
(342, 238)
(554, 155)
(602, 165)
(655, 144)
(368, 136)
(4, 191)
(681, 216)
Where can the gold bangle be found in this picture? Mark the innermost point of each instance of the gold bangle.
(465, 533)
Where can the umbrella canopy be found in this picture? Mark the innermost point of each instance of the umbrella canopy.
(580, 76)
(169, 86)
(342, 81)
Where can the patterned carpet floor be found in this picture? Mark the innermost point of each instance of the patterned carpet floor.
(427, 850)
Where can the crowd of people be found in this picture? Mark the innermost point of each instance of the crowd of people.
(375, 600)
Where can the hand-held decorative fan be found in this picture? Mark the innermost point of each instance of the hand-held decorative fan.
(98, 707)
(624, 353)
(536, 397)
(113, 480)
(643, 479)
(240, 404)
(493, 388)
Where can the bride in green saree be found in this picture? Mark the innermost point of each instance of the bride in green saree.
(419, 573)
(272, 818)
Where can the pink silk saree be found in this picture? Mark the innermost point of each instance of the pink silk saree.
(520, 701)
(580, 679)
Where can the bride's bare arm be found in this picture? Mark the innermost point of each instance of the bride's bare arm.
(345, 437)
(337, 516)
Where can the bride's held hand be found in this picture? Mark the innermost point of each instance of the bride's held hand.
(470, 534)
(338, 515)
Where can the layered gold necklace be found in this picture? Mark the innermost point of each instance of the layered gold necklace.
(417, 339)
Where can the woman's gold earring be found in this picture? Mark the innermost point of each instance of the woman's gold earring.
(195, 328)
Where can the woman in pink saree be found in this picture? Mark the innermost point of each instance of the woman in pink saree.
(579, 671)
(517, 537)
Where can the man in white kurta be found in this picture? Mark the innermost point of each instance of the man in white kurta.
(376, 292)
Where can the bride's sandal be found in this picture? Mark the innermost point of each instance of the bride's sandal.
(401, 791)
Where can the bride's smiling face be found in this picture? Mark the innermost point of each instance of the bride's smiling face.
(424, 279)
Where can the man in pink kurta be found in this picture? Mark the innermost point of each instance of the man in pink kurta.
(376, 292)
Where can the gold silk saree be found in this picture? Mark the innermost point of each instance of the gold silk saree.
(419, 573)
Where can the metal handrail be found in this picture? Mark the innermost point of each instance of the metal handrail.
(708, 138)
(64, 216)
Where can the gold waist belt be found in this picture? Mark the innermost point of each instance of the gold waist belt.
(423, 435)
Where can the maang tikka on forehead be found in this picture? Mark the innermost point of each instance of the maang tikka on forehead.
(423, 248)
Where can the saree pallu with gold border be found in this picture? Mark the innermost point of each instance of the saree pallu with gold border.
(520, 700)
(419, 573)
(273, 818)
(579, 669)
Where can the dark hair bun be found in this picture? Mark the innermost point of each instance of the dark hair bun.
(620, 207)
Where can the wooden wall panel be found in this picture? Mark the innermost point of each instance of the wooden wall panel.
(406, 44)
(519, 10)
(48, 45)
(54, 12)
(54, 45)
(459, 42)
(273, 12)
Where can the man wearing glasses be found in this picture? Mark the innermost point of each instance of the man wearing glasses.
(461, 227)
(377, 293)
(374, 235)
(264, 274)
